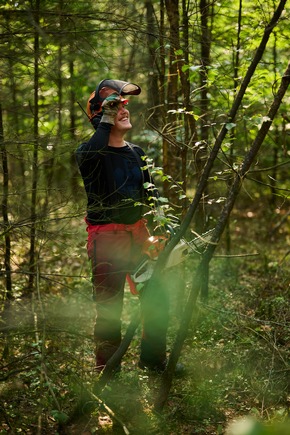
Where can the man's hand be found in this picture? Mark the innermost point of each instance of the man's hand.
(110, 108)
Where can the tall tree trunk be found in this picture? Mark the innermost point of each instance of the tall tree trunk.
(232, 131)
(15, 121)
(190, 132)
(72, 96)
(273, 180)
(200, 150)
(175, 163)
(35, 169)
(6, 227)
(170, 151)
(205, 43)
(162, 75)
(153, 93)
(50, 164)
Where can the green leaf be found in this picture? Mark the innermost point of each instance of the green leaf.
(230, 125)
(163, 199)
(60, 417)
(184, 68)
(179, 52)
(148, 185)
(195, 67)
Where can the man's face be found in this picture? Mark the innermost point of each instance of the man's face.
(122, 119)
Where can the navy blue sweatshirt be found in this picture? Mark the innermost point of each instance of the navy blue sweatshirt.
(113, 179)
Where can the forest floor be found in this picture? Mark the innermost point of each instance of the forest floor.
(236, 352)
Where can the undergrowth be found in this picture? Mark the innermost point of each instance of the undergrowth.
(236, 352)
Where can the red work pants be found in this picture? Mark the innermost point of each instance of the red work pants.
(114, 251)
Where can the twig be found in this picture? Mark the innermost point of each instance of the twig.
(110, 412)
(285, 256)
(88, 404)
(15, 372)
(243, 316)
(280, 223)
(254, 254)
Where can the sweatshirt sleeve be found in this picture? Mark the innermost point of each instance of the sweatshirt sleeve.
(93, 149)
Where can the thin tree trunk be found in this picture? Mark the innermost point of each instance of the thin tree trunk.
(190, 131)
(201, 151)
(15, 117)
(50, 164)
(162, 73)
(205, 42)
(221, 224)
(276, 136)
(152, 81)
(206, 10)
(33, 214)
(236, 84)
(169, 154)
(7, 248)
(73, 171)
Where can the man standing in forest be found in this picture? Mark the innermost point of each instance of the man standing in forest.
(114, 173)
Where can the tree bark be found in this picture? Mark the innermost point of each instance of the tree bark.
(205, 42)
(7, 249)
(170, 151)
(153, 93)
(32, 249)
(190, 131)
(236, 84)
